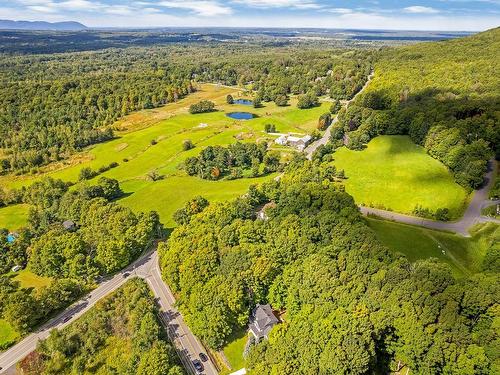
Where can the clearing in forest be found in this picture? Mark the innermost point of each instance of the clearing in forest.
(396, 174)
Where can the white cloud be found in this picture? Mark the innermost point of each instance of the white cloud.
(298, 4)
(420, 10)
(340, 10)
(201, 7)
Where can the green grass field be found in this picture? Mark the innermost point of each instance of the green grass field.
(463, 254)
(13, 217)
(394, 173)
(169, 126)
(234, 350)
(28, 279)
(7, 334)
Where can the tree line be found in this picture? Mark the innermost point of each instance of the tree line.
(120, 335)
(55, 105)
(351, 305)
(440, 94)
(73, 236)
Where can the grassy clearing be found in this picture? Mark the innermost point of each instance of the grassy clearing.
(394, 173)
(169, 126)
(28, 279)
(234, 350)
(464, 255)
(7, 334)
(13, 217)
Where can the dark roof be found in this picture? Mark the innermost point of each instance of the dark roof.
(262, 320)
(68, 224)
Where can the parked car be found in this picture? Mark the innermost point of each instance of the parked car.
(203, 357)
(198, 366)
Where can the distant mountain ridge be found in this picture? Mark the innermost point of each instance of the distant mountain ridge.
(41, 25)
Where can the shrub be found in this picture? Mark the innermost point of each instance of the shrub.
(187, 145)
(202, 107)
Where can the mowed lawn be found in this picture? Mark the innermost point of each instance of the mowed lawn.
(13, 217)
(394, 173)
(151, 140)
(464, 255)
(235, 348)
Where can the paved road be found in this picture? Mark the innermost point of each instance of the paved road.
(309, 150)
(471, 216)
(146, 267)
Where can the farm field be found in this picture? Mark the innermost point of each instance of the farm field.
(464, 255)
(151, 140)
(396, 174)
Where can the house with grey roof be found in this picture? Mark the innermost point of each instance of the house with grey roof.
(262, 320)
(69, 225)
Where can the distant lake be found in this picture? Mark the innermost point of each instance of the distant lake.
(243, 101)
(241, 115)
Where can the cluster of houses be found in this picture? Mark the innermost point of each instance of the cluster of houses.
(300, 143)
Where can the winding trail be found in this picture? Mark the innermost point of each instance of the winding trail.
(472, 214)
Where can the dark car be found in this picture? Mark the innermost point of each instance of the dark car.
(126, 274)
(198, 366)
(203, 357)
(67, 319)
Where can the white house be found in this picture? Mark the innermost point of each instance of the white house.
(262, 321)
(299, 143)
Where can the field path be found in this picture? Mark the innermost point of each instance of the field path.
(471, 216)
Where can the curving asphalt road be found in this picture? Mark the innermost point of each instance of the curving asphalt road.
(309, 150)
(147, 268)
(472, 214)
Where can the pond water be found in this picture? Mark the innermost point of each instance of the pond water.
(243, 101)
(241, 115)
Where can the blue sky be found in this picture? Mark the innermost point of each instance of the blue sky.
(363, 14)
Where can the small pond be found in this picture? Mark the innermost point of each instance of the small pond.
(241, 115)
(243, 101)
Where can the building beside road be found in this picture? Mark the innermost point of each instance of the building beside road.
(262, 321)
(300, 143)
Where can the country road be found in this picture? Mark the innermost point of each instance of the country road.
(147, 268)
(309, 150)
(472, 214)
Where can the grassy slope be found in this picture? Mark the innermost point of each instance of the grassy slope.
(464, 255)
(7, 333)
(169, 127)
(13, 217)
(393, 172)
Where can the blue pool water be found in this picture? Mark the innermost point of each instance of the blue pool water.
(10, 238)
(243, 102)
(241, 115)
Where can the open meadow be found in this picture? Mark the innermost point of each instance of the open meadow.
(151, 140)
(464, 255)
(396, 174)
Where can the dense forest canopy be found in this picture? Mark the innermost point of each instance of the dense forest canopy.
(120, 335)
(444, 95)
(54, 105)
(351, 305)
(73, 237)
